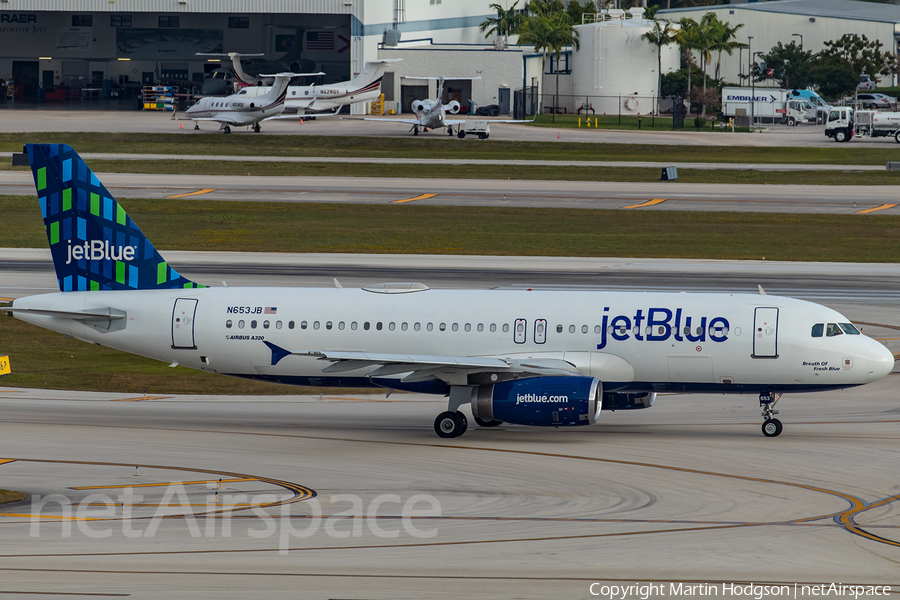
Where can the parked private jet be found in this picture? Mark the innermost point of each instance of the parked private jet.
(307, 99)
(541, 358)
(242, 108)
(432, 113)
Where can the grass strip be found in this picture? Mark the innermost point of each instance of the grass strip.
(193, 224)
(445, 147)
(7, 496)
(488, 171)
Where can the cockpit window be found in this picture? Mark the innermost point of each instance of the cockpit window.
(849, 328)
(833, 329)
(242, 92)
(818, 329)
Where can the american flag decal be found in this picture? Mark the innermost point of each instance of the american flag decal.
(270, 310)
(320, 40)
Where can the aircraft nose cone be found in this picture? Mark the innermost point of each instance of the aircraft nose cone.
(881, 361)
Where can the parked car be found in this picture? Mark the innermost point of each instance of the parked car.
(866, 83)
(876, 101)
(490, 110)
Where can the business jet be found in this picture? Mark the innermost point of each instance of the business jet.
(539, 358)
(432, 113)
(307, 99)
(242, 108)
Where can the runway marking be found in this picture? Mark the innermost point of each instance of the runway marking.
(422, 197)
(879, 325)
(652, 202)
(91, 594)
(877, 208)
(3, 461)
(141, 398)
(846, 518)
(115, 487)
(197, 193)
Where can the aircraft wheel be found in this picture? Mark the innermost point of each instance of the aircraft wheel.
(196, 127)
(449, 424)
(460, 134)
(256, 128)
(449, 130)
(772, 427)
(465, 421)
(227, 129)
(415, 131)
(486, 423)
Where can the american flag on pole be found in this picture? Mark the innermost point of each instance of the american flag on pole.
(270, 310)
(320, 40)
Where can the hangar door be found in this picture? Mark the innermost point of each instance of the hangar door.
(765, 332)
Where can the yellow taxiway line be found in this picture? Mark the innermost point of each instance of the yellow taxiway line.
(136, 485)
(653, 202)
(141, 398)
(197, 193)
(422, 197)
(877, 208)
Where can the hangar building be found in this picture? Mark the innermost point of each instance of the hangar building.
(807, 22)
(111, 48)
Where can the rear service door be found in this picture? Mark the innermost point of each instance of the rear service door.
(765, 332)
(183, 323)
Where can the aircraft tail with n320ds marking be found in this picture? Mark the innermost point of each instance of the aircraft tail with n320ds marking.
(533, 357)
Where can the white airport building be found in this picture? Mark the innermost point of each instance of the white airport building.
(807, 22)
(101, 45)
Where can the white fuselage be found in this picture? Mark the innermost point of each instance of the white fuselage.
(630, 341)
(237, 109)
(317, 98)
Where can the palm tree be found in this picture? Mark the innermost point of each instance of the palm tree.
(659, 36)
(723, 41)
(689, 39)
(549, 31)
(505, 24)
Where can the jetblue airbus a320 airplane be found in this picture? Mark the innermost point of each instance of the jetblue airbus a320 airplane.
(543, 358)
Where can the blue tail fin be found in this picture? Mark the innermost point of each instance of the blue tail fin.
(95, 245)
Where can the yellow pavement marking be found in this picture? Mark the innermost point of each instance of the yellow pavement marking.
(141, 398)
(3, 461)
(7, 299)
(422, 197)
(877, 208)
(115, 487)
(197, 193)
(653, 202)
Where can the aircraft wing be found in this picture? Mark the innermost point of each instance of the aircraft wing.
(407, 121)
(422, 367)
(301, 116)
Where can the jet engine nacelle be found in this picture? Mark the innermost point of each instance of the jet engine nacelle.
(452, 107)
(541, 401)
(628, 401)
(417, 106)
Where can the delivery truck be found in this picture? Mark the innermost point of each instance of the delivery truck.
(766, 105)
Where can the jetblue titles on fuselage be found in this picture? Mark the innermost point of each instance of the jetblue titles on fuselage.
(661, 324)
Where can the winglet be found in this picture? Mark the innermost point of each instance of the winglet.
(762, 292)
(277, 352)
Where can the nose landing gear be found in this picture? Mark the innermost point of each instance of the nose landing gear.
(771, 427)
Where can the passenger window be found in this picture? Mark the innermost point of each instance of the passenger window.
(290, 324)
(354, 325)
(571, 329)
(328, 325)
(468, 327)
(584, 329)
(378, 325)
(455, 327)
(833, 329)
(228, 324)
(417, 326)
(598, 329)
(315, 324)
(240, 324)
(366, 325)
(493, 327)
(252, 324)
(391, 326)
(506, 328)
(403, 326)
(480, 327)
(303, 324)
(443, 327)
(818, 329)
(277, 324)
(265, 324)
(559, 329)
(429, 327)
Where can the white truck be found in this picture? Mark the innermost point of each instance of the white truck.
(844, 123)
(766, 105)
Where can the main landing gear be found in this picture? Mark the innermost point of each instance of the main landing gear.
(226, 129)
(415, 129)
(256, 127)
(452, 423)
(771, 427)
(449, 130)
